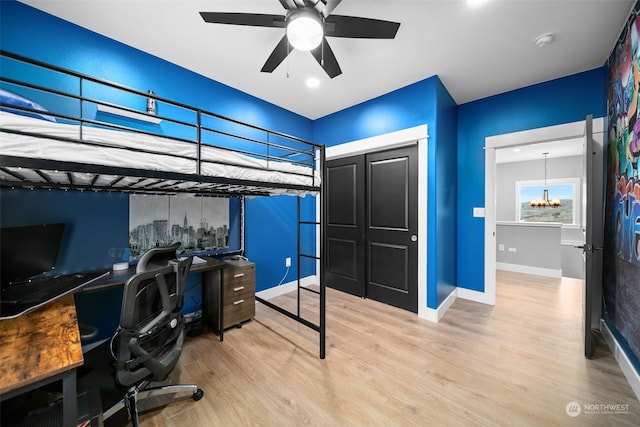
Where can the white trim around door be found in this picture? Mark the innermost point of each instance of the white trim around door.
(419, 135)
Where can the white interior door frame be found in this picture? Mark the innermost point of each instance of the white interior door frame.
(546, 134)
(419, 135)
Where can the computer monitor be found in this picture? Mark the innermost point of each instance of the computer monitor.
(28, 251)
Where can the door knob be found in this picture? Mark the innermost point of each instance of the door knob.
(414, 238)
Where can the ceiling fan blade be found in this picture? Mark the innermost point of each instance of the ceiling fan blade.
(251, 19)
(291, 4)
(361, 28)
(327, 60)
(329, 5)
(278, 55)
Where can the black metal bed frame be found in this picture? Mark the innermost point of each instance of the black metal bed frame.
(29, 172)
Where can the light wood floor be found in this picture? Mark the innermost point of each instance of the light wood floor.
(517, 363)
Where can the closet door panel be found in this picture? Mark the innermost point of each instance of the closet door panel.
(345, 225)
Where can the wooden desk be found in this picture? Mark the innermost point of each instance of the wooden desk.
(41, 347)
(211, 267)
(119, 278)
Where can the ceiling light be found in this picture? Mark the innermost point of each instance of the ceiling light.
(474, 3)
(304, 30)
(544, 40)
(312, 82)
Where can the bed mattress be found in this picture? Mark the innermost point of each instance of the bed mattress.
(117, 148)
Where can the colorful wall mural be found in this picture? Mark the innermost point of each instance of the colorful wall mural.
(622, 221)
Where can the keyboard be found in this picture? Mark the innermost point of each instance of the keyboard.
(19, 298)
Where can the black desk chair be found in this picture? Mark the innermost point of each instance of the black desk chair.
(147, 345)
(157, 257)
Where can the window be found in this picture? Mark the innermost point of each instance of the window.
(565, 189)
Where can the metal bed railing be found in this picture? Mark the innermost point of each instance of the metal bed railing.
(77, 98)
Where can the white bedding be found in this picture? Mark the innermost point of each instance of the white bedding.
(110, 152)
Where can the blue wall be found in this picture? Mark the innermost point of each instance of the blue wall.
(441, 171)
(36, 34)
(565, 100)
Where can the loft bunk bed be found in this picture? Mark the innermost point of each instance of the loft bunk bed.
(86, 133)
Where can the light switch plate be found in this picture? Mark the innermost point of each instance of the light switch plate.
(478, 212)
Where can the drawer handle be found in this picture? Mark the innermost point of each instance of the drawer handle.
(239, 288)
(240, 301)
(238, 275)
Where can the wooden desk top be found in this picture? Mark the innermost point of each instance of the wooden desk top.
(120, 277)
(39, 344)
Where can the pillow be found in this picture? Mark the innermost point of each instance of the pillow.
(14, 99)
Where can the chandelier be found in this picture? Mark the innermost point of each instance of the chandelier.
(545, 202)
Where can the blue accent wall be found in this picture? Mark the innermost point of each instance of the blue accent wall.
(406, 107)
(564, 100)
(268, 242)
(94, 222)
(442, 170)
(70, 46)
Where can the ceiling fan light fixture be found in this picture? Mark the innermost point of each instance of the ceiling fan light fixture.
(304, 30)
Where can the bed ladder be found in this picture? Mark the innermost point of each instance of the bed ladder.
(321, 292)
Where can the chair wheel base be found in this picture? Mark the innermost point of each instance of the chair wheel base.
(198, 395)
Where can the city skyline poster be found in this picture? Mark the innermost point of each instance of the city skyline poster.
(201, 224)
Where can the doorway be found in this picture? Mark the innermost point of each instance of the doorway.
(562, 132)
(592, 134)
(372, 224)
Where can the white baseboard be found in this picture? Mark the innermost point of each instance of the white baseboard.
(286, 287)
(630, 373)
(526, 269)
(476, 296)
(435, 314)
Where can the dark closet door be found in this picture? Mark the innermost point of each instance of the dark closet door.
(372, 226)
(392, 227)
(345, 225)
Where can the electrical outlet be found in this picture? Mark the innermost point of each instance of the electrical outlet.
(501, 247)
(287, 262)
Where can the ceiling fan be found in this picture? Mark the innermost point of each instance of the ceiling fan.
(308, 23)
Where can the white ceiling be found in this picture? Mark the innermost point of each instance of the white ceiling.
(564, 148)
(476, 51)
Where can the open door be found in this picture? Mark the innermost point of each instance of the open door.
(592, 227)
